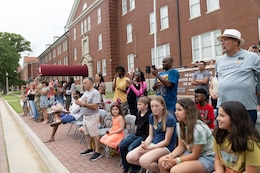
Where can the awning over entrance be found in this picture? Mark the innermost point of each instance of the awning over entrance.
(63, 70)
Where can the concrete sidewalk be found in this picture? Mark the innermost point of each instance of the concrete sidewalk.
(24, 151)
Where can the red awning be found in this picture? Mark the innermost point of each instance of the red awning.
(63, 70)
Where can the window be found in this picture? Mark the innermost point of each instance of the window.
(206, 46)
(64, 46)
(59, 50)
(162, 51)
(194, 8)
(54, 53)
(65, 60)
(259, 29)
(132, 5)
(104, 67)
(129, 33)
(74, 34)
(212, 5)
(98, 66)
(89, 24)
(152, 24)
(49, 56)
(130, 62)
(75, 53)
(99, 41)
(164, 17)
(84, 6)
(98, 16)
(124, 7)
(81, 28)
(85, 26)
(85, 47)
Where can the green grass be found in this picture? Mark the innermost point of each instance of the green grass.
(14, 102)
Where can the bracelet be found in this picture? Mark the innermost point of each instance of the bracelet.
(178, 160)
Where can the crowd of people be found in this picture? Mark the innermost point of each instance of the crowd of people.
(172, 135)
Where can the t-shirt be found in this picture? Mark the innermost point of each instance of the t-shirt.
(200, 75)
(238, 161)
(207, 113)
(159, 134)
(169, 93)
(91, 96)
(202, 136)
(236, 78)
(142, 124)
(120, 83)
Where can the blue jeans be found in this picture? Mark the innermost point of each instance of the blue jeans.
(253, 115)
(126, 145)
(34, 109)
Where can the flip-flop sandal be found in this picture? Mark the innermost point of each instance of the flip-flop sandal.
(55, 124)
(50, 140)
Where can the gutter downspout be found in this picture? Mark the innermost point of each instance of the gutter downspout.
(178, 31)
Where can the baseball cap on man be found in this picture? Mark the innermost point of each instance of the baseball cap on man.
(232, 33)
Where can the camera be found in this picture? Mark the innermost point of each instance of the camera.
(254, 47)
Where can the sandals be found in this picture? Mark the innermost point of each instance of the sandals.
(55, 124)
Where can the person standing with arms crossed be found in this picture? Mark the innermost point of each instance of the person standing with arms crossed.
(166, 83)
(89, 102)
(237, 70)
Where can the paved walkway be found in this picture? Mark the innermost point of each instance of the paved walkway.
(22, 148)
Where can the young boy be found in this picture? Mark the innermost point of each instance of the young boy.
(206, 110)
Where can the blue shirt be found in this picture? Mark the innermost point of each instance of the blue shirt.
(159, 134)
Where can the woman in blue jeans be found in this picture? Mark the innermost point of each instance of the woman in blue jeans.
(142, 130)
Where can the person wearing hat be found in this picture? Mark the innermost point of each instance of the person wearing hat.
(236, 71)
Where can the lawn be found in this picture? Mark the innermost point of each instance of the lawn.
(14, 101)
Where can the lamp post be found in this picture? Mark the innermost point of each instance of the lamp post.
(7, 87)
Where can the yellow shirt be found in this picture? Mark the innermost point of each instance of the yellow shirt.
(120, 83)
(238, 161)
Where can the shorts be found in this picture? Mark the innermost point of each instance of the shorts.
(258, 100)
(66, 118)
(207, 161)
(91, 125)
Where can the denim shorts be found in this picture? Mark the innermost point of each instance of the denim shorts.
(66, 118)
(207, 161)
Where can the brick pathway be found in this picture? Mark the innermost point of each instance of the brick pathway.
(67, 150)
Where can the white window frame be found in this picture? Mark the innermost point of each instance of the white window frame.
(89, 23)
(212, 5)
(58, 49)
(194, 8)
(152, 24)
(74, 34)
(164, 17)
(130, 62)
(129, 34)
(98, 16)
(100, 46)
(124, 7)
(82, 28)
(162, 52)
(98, 66)
(65, 61)
(205, 46)
(84, 6)
(104, 67)
(54, 53)
(75, 53)
(131, 5)
(85, 26)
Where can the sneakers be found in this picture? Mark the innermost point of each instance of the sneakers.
(95, 157)
(87, 152)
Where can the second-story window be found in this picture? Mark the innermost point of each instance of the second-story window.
(152, 24)
(132, 5)
(100, 41)
(74, 34)
(129, 33)
(164, 17)
(124, 7)
(98, 16)
(194, 8)
(212, 5)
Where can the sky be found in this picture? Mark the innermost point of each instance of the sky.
(38, 21)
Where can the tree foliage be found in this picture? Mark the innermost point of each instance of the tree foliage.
(11, 46)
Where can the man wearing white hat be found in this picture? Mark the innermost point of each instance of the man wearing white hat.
(236, 71)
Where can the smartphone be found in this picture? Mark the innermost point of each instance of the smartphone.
(153, 67)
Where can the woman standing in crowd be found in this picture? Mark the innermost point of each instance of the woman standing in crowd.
(136, 89)
(160, 141)
(237, 142)
(44, 103)
(31, 95)
(99, 82)
(70, 87)
(194, 151)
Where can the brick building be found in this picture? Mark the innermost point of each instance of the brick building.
(29, 69)
(103, 34)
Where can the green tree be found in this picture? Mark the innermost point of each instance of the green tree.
(11, 46)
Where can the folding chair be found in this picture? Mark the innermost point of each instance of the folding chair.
(77, 123)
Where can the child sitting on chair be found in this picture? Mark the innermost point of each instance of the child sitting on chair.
(113, 137)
